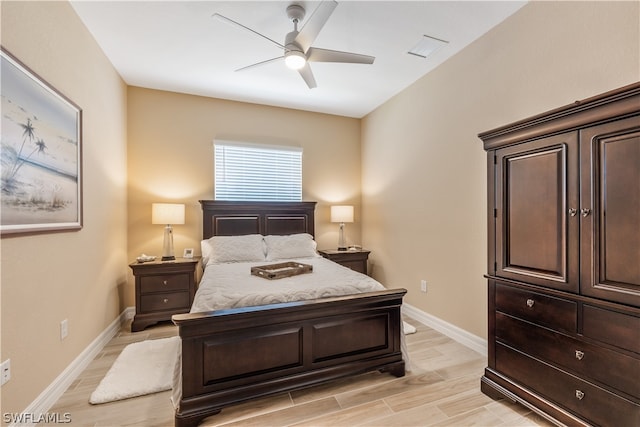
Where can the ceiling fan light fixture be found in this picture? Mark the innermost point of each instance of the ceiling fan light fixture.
(295, 59)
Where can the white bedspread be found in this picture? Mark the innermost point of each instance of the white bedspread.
(231, 285)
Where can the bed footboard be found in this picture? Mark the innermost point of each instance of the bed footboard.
(231, 356)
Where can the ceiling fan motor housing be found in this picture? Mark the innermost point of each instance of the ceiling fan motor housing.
(296, 13)
(290, 44)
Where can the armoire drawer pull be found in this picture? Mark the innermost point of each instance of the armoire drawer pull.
(579, 395)
(166, 300)
(530, 303)
(579, 354)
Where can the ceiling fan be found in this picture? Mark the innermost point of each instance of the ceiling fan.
(298, 52)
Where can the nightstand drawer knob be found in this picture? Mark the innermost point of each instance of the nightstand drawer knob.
(579, 354)
(530, 303)
(164, 282)
(166, 300)
(579, 394)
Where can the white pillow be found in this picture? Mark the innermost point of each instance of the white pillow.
(233, 249)
(290, 246)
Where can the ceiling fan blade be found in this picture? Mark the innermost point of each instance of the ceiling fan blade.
(315, 54)
(257, 64)
(239, 25)
(314, 24)
(307, 75)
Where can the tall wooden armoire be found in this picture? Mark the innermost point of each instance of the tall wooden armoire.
(564, 261)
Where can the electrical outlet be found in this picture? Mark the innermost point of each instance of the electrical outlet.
(423, 285)
(5, 371)
(64, 329)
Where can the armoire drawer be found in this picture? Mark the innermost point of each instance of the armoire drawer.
(164, 302)
(164, 283)
(586, 400)
(542, 309)
(618, 329)
(585, 360)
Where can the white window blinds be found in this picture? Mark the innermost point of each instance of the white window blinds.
(257, 172)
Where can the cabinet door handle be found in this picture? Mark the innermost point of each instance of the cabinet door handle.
(585, 212)
(530, 303)
(573, 211)
(579, 395)
(579, 354)
(166, 300)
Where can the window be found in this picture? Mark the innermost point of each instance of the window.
(252, 172)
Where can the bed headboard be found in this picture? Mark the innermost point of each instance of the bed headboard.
(224, 218)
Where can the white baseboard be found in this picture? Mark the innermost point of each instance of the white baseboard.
(56, 389)
(465, 338)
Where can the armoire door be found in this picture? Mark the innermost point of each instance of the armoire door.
(537, 223)
(610, 211)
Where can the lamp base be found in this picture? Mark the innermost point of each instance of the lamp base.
(167, 246)
(342, 243)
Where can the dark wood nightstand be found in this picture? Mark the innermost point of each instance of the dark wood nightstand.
(355, 260)
(163, 289)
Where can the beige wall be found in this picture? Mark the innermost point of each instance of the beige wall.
(170, 155)
(80, 275)
(424, 172)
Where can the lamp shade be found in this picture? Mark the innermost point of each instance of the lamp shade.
(167, 213)
(342, 213)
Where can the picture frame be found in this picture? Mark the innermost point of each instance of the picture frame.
(41, 154)
(188, 253)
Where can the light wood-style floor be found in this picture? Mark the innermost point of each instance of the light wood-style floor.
(442, 390)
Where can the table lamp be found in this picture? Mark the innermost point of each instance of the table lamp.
(342, 214)
(167, 214)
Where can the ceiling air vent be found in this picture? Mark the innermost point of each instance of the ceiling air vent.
(426, 46)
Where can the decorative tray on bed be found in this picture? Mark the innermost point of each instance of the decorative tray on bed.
(280, 270)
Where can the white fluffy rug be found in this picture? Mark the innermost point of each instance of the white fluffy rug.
(142, 368)
(407, 328)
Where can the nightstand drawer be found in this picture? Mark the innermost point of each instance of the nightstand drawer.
(355, 260)
(164, 283)
(163, 302)
(542, 309)
(360, 266)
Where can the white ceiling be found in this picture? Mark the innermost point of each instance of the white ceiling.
(177, 46)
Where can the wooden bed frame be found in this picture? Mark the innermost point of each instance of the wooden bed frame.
(231, 356)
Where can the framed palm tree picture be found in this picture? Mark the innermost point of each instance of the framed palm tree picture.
(41, 156)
